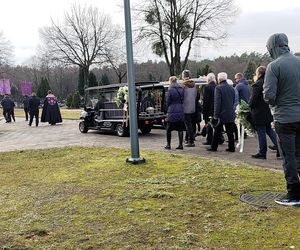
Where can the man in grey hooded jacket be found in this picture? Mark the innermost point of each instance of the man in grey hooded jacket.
(282, 93)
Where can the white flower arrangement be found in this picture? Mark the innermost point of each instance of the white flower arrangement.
(122, 96)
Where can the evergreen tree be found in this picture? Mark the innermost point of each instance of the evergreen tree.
(69, 101)
(92, 80)
(151, 77)
(104, 80)
(204, 71)
(76, 100)
(43, 88)
(81, 82)
(250, 70)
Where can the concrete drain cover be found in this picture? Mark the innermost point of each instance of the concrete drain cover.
(262, 198)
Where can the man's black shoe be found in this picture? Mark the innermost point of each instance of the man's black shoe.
(272, 147)
(230, 150)
(168, 147)
(220, 142)
(211, 149)
(259, 156)
(180, 147)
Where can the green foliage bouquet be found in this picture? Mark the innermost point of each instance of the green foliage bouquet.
(122, 96)
(243, 116)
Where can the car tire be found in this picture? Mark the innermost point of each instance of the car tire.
(83, 127)
(146, 129)
(121, 130)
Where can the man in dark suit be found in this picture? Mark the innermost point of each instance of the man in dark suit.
(33, 108)
(8, 108)
(224, 114)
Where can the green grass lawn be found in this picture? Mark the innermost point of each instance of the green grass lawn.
(65, 113)
(89, 198)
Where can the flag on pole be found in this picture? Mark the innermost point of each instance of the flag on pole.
(26, 88)
(4, 87)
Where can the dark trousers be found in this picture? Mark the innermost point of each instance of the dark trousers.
(170, 128)
(289, 141)
(26, 114)
(36, 119)
(190, 124)
(13, 115)
(210, 132)
(7, 113)
(262, 131)
(218, 133)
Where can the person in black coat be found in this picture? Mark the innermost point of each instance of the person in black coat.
(25, 106)
(261, 115)
(51, 112)
(8, 108)
(208, 105)
(224, 114)
(33, 109)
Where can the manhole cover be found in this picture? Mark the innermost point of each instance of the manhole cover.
(262, 198)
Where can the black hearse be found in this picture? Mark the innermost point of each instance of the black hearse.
(101, 111)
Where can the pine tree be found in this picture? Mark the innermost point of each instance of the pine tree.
(104, 80)
(204, 71)
(81, 82)
(76, 100)
(43, 88)
(92, 80)
(250, 70)
(69, 101)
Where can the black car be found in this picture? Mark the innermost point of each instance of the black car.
(105, 110)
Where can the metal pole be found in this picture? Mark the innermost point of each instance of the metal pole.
(133, 124)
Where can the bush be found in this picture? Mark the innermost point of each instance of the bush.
(69, 100)
(76, 100)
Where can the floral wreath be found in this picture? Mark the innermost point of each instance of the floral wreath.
(242, 115)
(122, 96)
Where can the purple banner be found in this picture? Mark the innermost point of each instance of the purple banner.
(4, 86)
(26, 88)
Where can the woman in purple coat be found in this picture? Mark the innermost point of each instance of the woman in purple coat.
(175, 114)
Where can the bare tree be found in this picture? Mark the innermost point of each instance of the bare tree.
(173, 25)
(116, 55)
(6, 50)
(82, 39)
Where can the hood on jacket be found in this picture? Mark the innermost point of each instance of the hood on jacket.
(277, 45)
(189, 83)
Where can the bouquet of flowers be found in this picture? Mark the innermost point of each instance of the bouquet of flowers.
(122, 96)
(243, 116)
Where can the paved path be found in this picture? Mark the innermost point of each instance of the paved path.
(19, 136)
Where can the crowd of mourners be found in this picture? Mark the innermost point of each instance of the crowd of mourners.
(32, 105)
(273, 100)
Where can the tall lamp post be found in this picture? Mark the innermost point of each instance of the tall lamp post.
(134, 141)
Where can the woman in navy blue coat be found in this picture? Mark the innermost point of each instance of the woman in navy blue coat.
(175, 114)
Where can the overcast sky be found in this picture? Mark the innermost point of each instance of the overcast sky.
(20, 21)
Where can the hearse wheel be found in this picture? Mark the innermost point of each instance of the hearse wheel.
(121, 130)
(146, 129)
(83, 127)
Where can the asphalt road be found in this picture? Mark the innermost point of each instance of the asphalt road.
(20, 136)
